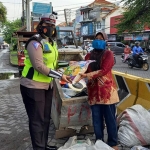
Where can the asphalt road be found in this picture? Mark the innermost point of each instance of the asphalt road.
(123, 67)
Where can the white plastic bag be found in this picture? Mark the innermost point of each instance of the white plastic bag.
(134, 126)
(139, 148)
(74, 144)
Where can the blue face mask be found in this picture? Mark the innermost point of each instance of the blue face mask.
(99, 44)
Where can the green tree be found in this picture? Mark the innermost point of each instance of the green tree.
(3, 13)
(9, 28)
(137, 16)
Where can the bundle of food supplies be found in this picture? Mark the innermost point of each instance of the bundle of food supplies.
(74, 69)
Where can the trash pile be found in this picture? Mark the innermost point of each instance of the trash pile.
(73, 68)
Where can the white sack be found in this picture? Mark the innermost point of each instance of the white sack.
(134, 126)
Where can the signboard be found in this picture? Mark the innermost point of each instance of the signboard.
(139, 37)
(128, 37)
(41, 8)
(145, 36)
(111, 37)
(90, 28)
(84, 30)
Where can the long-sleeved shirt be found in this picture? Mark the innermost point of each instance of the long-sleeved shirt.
(36, 57)
(101, 86)
(137, 50)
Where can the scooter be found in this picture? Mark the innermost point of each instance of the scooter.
(143, 58)
(127, 59)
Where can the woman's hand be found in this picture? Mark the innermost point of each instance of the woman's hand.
(66, 78)
(82, 75)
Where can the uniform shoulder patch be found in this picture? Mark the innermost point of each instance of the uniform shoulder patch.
(35, 45)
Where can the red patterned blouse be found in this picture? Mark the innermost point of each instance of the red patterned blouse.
(101, 86)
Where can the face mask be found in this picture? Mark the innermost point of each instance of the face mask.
(99, 44)
(50, 31)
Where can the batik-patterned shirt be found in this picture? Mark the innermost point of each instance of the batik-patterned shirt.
(101, 86)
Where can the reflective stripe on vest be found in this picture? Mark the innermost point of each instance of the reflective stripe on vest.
(49, 59)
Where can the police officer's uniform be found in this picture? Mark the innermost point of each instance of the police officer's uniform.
(36, 88)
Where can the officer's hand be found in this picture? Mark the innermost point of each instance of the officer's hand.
(66, 78)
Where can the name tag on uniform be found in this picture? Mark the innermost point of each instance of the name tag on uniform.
(46, 49)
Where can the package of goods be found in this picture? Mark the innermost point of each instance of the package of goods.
(134, 126)
(77, 66)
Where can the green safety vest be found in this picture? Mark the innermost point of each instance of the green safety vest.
(50, 60)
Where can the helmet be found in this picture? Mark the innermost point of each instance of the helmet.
(137, 42)
(104, 35)
(48, 18)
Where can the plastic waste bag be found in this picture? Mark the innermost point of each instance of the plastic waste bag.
(139, 148)
(74, 144)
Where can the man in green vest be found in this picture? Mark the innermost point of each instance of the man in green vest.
(36, 81)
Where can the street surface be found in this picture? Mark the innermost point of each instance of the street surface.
(5, 66)
(123, 67)
(14, 133)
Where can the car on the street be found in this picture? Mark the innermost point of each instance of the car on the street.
(116, 47)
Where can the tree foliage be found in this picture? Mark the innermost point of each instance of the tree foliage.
(136, 16)
(3, 13)
(9, 28)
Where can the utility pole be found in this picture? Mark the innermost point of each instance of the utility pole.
(23, 16)
(28, 16)
(67, 13)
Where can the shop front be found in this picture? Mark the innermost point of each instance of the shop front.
(143, 38)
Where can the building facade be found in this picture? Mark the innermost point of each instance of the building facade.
(91, 19)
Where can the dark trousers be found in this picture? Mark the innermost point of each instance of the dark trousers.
(136, 58)
(38, 107)
(107, 113)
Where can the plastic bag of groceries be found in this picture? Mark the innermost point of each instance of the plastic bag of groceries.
(77, 66)
(134, 126)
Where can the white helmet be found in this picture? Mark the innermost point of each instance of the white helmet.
(137, 42)
(49, 18)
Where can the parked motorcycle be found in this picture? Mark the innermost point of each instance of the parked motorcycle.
(143, 62)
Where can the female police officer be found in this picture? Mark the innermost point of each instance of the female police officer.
(36, 80)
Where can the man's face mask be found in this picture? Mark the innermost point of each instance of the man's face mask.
(48, 31)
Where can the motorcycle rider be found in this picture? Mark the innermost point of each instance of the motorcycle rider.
(127, 51)
(136, 51)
